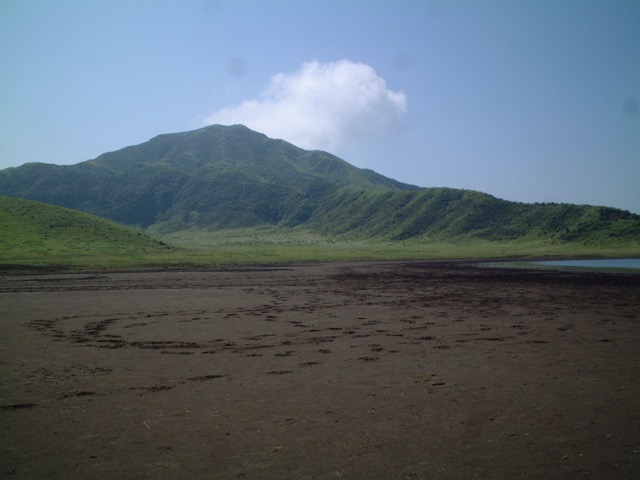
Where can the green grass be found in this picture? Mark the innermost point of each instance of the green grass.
(33, 233)
(36, 235)
(276, 244)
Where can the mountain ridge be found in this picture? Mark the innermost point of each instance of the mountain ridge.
(238, 147)
(217, 175)
(230, 177)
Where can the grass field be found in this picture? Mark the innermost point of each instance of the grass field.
(277, 246)
(35, 235)
(265, 244)
(40, 235)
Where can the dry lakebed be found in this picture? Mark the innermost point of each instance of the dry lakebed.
(386, 370)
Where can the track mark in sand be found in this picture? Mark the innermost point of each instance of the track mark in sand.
(108, 343)
(317, 340)
(94, 334)
(96, 328)
(204, 378)
(17, 406)
(279, 372)
(79, 393)
(154, 388)
(288, 353)
(369, 359)
(308, 364)
(255, 338)
(164, 344)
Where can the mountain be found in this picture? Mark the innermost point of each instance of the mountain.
(215, 176)
(32, 229)
(448, 213)
(230, 176)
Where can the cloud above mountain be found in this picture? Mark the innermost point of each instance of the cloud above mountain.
(321, 106)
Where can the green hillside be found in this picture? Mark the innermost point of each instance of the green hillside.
(34, 232)
(215, 176)
(444, 213)
(230, 177)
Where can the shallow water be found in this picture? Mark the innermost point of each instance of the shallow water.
(623, 264)
(632, 263)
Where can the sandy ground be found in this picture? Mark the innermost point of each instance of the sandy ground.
(355, 371)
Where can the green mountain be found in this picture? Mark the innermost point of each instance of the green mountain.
(33, 229)
(215, 176)
(228, 177)
(446, 213)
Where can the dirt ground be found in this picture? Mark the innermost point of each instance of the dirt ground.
(354, 371)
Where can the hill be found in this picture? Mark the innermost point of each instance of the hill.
(445, 213)
(34, 230)
(222, 177)
(216, 176)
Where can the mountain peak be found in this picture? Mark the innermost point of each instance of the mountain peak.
(230, 176)
(219, 175)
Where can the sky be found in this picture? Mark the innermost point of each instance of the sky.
(527, 100)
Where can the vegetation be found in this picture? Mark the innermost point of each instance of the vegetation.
(278, 244)
(231, 195)
(216, 176)
(450, 214)
(34, 233)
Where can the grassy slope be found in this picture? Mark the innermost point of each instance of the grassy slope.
(462, 215)
(32, 233)
(215, 176)
(277, 244)
(231, 177)
(36, 233)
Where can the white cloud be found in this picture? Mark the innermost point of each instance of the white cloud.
(321, 106)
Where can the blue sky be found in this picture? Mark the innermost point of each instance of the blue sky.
(528, 100)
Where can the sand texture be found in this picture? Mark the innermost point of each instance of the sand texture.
(354, 371)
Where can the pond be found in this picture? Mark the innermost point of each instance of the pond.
(631, 265)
